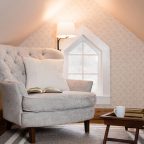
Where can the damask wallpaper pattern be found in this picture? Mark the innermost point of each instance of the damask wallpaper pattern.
(127, 51)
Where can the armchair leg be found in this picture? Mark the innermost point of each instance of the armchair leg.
(32, 135)
(8, 125)
(126, 128)
(86, 126)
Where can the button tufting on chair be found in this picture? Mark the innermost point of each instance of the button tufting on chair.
(18, 53)
(30, 54)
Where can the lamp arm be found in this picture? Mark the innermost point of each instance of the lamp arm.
(58, 41)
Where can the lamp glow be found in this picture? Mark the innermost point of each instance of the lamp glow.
(65, 30)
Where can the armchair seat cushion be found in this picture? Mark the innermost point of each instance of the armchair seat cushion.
(47, 102)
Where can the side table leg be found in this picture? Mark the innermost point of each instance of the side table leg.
(106, 134)
(136, 136)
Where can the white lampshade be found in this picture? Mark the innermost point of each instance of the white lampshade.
(65, 29)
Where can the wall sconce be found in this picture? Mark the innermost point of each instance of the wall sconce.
(65, 30)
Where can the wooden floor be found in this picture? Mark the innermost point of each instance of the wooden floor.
(96, 119)
(98, 113)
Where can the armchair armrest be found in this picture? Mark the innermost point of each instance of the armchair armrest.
(80, 85)
(12, 93)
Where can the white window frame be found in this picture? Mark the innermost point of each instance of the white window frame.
(85, 33)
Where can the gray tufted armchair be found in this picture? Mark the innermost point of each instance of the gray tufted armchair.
(36, 110)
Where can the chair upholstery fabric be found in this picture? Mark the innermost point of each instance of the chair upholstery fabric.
(13, 93)
(33, 119)
(49, 102)
(40, 109)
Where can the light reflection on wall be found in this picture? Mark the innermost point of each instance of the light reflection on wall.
(62, 10)
(52, 9)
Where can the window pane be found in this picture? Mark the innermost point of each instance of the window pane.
(75, 64)
(90, 64)
(88, 49)
(75, 76)
(93, 78)
(77, 49)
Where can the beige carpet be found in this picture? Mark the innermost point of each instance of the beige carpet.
(68, 134)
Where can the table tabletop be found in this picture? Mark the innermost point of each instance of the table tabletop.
(111, 115)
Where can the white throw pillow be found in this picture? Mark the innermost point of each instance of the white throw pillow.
(45, 73)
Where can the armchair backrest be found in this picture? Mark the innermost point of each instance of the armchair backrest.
(11, 60)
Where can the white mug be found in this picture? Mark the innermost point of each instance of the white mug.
(119, 111)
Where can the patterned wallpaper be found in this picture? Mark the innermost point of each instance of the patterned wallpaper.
(127, 51)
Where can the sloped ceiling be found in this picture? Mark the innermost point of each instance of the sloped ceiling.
(129, 12)
(18, 18)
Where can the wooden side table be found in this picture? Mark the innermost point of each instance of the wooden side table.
(127, 122)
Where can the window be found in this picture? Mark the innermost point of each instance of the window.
(84, 63)
(88, 59)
